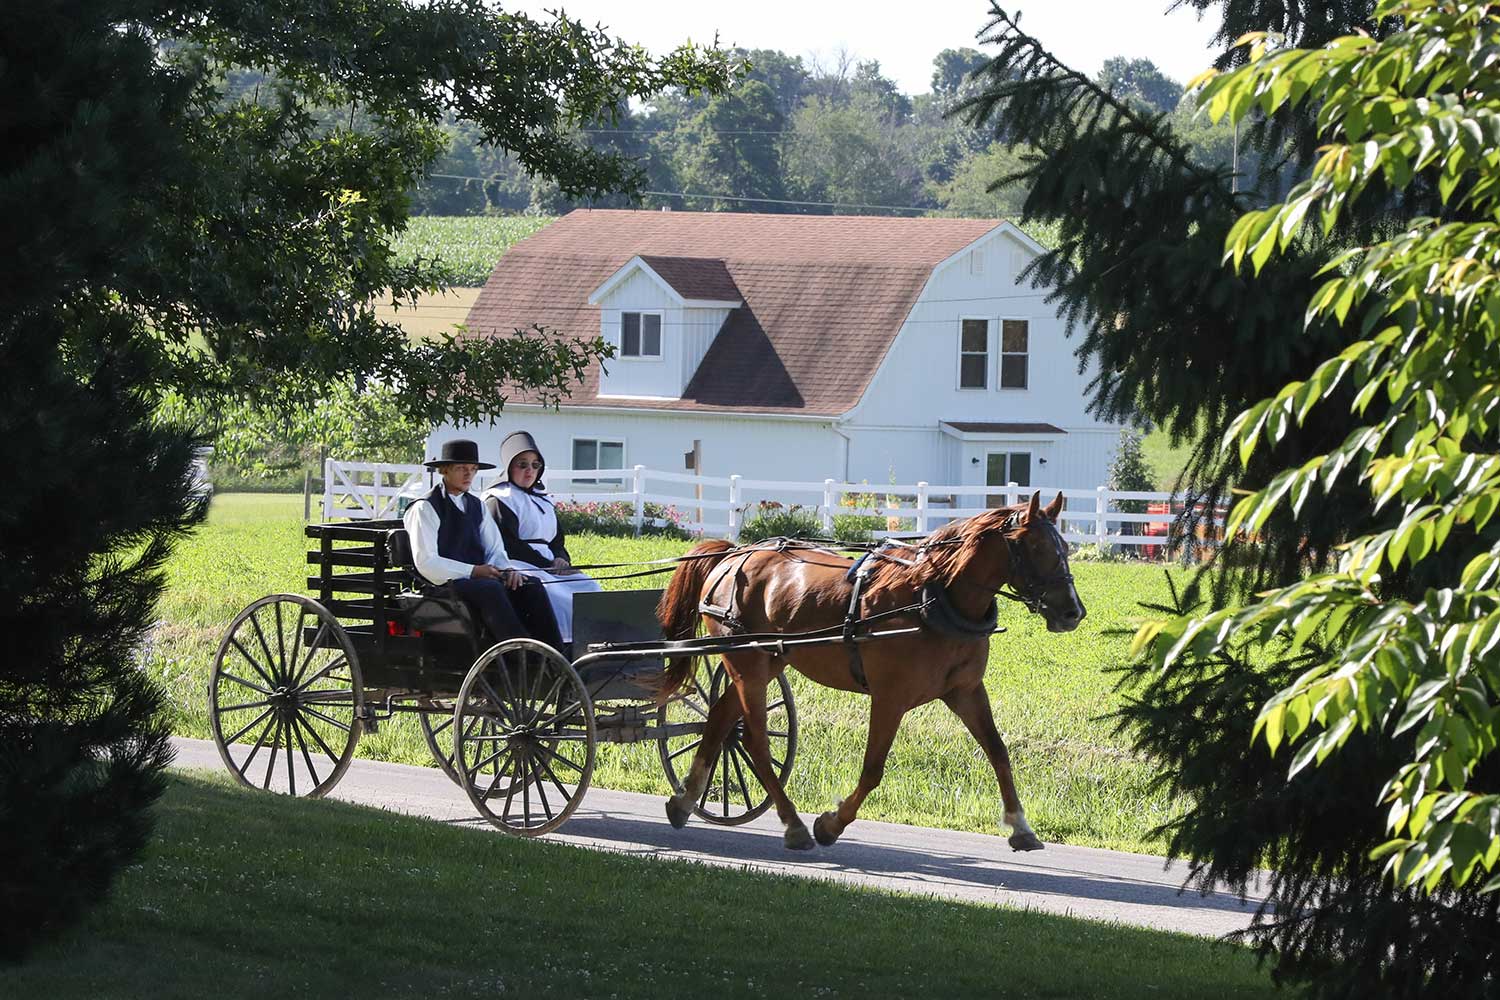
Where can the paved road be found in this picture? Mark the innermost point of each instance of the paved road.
(1081, 881)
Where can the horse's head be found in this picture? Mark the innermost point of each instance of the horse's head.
(1038, 564)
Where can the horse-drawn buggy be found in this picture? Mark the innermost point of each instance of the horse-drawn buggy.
(297, 681)
(516, 724)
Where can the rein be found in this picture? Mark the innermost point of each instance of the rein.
(669, 564)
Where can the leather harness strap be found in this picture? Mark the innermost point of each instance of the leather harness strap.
(852, 619)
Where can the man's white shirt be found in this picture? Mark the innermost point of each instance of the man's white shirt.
(422, 521)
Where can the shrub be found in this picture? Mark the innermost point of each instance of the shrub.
(616, 518)
(773, 520)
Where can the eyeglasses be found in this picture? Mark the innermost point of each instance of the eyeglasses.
(526, 465)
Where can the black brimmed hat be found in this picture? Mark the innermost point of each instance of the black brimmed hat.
(458, 452)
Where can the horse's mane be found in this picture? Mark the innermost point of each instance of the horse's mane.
(948, 550)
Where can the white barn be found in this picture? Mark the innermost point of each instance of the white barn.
(799, 348)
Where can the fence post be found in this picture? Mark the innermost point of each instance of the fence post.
(921, 508)
(827, 518)
(327, 490)
(734, 508)
(1012, 494)
(638, 486)
(1101, 507)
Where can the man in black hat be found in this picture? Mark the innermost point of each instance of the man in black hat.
(454, 543)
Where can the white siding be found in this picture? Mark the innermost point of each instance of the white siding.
(752, 447)
(699, 328)
(895, 429)
(649, 377)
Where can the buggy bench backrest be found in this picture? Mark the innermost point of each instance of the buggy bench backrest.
(353, 558)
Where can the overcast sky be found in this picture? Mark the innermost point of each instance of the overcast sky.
(905, 37)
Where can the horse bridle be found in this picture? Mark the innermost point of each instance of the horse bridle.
(1033, 587)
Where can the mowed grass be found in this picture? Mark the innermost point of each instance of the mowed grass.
(1080, 783)
(244, 895)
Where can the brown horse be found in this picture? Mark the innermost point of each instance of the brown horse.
(791, 589)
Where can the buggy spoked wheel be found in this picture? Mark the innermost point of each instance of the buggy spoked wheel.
(437, 730)
(734, 794)
(285, 697)
(524, 723)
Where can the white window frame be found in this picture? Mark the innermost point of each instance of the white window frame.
(596, 481)
(989, 326)
(661, 343)
(1001, 353)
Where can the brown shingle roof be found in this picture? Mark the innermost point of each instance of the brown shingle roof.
(824, 296)
(695, 277)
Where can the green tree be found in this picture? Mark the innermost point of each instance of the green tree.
(1141, 83)
(953, 68)
(732, 148)
(1189, 345)
(973, 190)
(853, 154)
(1426, 98)
(785, 75)
(168, 237)
(1130, 472)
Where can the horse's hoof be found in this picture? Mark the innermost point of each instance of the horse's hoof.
(822, 831)
(1025, 842)
(797, 838)
(678, 812)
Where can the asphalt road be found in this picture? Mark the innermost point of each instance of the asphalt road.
(1079, 881)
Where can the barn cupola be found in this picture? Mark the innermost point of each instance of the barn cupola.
(661, 314)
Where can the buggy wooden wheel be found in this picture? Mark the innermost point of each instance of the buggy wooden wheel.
(285, 697)
(524, 723)
(734, 794)
(437, 730)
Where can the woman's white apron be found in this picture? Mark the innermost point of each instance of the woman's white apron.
(536, 518)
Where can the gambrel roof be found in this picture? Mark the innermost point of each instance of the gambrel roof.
(822, 297)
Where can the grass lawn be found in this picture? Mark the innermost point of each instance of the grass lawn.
(1081, 784)
(1165, 460)
(246, 895)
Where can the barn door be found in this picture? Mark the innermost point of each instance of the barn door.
(1003, 467)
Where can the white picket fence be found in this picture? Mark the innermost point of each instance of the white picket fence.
(719, 505)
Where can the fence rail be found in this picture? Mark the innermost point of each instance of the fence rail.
(720, 505)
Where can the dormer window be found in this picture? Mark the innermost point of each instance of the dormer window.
(640, 335)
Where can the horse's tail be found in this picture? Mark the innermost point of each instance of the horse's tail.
(677, 611)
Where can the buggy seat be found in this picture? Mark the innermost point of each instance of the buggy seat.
(430, 609)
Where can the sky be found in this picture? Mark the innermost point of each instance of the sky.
(1082, 33)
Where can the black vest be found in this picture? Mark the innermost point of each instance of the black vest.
(458, 534)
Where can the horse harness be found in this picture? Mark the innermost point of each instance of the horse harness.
(935, 609)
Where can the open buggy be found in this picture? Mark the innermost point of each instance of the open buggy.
(297, 681)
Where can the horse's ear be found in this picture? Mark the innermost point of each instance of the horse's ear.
(1054, 508)
(1034, 507)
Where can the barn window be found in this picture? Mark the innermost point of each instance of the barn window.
(596, 453)
(973, 353)
(1015, 336)
(640, 335)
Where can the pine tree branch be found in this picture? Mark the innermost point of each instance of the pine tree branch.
(981, 106)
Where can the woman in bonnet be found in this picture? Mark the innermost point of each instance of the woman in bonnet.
(518, 502)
